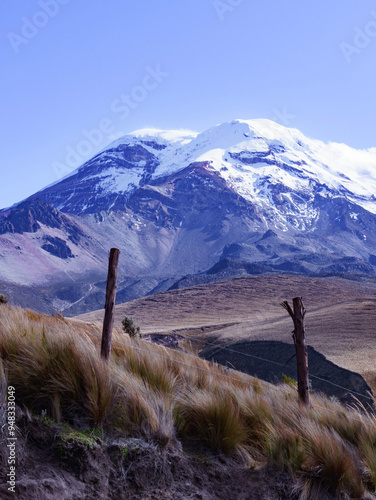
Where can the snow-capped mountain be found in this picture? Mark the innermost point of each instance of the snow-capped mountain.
(254, 158)
(241, 197)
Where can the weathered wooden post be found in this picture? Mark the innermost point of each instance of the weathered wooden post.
(297, 314)
(108, 322)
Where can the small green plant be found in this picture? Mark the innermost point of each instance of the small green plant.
(289, 380)
(3, 299)
(124, 451)
(69, 440)
(45, 418)
(94, 432)
(130, 328)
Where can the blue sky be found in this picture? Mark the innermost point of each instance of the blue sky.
(76, 71)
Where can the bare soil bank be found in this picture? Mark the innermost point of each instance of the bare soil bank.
(123, 469)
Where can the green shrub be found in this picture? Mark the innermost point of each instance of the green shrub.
(289, 381)
(130, 328)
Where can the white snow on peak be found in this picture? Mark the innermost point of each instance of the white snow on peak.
(164, 137)
(180, 135)
(271, 130)
(250, 155)
(230, 146)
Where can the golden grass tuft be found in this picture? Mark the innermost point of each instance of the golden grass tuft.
(213, 416)
(331, 463)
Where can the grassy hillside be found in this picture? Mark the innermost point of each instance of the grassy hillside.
(340, 320)
(172, 398)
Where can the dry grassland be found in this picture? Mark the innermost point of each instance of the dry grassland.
(340, 320)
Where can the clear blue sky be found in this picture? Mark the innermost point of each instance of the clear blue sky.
(67, 68)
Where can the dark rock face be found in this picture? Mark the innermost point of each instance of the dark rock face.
(193, 198)
(252, 158)
(57, 247)
(154, 145)
(28, 216)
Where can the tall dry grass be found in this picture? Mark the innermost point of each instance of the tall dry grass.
(161, 394)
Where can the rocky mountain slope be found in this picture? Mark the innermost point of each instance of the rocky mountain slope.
(244, 197)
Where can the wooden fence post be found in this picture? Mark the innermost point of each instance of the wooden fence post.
(297, 314)
(108, 321)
